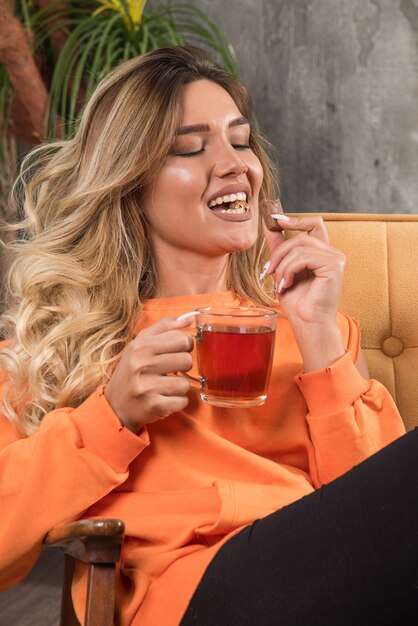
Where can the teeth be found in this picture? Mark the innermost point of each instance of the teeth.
(233, 210)
(240, 195)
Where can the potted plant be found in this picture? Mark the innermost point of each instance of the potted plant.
(53, 54)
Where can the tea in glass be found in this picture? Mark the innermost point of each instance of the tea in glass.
(235, 348)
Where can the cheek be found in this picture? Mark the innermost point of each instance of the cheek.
(173, 197)
(175, 178)
(171, 184)
(255, 173)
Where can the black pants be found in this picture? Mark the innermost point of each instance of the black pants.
(346, 555)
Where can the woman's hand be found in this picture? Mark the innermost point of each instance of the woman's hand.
(140, 390)
(309, 272)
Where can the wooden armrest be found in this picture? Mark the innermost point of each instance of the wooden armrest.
(97, 542)
(89, 540)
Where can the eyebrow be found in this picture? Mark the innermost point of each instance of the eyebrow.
(205, 128)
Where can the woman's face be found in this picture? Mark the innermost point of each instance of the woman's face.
(210, 162)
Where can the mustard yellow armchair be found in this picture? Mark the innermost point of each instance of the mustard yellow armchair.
(381, 291)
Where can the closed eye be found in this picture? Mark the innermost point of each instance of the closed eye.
(237, 146)
(190, 154)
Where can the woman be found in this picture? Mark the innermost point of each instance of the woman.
(129, 227)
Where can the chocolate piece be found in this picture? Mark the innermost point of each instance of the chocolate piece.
(239, 204)
(267, 207)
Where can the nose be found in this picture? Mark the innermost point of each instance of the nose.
(229, 162)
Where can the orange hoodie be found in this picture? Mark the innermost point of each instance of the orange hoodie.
(190, 481)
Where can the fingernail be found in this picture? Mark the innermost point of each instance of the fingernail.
(280, 217)
(281, 285)
(265, 270)
(185, 316)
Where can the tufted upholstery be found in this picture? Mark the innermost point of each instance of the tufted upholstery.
(381, 291)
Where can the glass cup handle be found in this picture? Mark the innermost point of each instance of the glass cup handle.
(199, 382)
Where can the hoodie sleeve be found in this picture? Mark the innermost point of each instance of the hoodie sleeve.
(51, 477)
(349, 418)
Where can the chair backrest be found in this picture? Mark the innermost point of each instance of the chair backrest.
(381, 291)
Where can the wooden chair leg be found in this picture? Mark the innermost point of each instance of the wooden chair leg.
(68, 616)
(97, 542)
(100, 595)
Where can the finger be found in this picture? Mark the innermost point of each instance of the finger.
(161, 406)
(313, 225)
(166, 324)
(274, 240)
(177, 385)
(319, 262)
(164, 342)
(172, 404)
(298, 243)
(167, 364)
(172, 341)
(162, 385)
(148, 386)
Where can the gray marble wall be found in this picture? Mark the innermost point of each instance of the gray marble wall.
(335, 83)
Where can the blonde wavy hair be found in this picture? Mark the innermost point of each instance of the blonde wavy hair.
(84, 264)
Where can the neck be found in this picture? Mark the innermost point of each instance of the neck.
(188, 274)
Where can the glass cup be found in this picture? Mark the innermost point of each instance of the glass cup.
(235, 347)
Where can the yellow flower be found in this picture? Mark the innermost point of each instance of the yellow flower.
(131, 10)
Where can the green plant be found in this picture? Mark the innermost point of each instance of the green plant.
(96, 35)
(115, 32)
(53, 54)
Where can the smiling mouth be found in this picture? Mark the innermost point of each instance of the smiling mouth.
(234, 203)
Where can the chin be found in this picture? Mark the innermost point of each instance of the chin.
(243, 243)
(238, 248)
